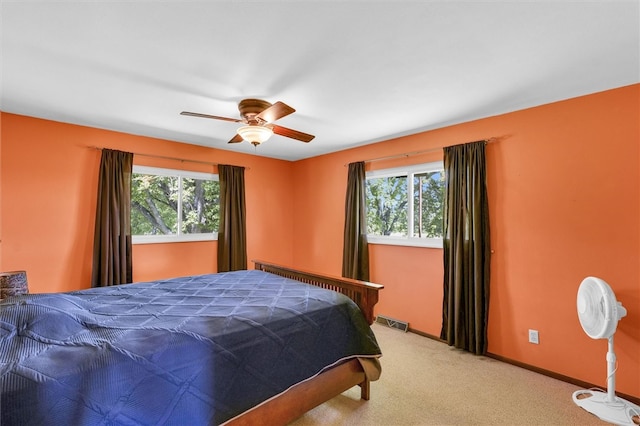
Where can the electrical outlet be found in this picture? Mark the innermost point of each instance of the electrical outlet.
(533, 337)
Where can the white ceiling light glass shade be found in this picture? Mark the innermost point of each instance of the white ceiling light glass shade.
(255, 134)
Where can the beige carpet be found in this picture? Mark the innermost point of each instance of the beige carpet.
(425, 382)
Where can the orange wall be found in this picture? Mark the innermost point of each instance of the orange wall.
(49, 178)
(564, 188)
(1, 119)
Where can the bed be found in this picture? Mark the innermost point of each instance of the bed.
(231, 348)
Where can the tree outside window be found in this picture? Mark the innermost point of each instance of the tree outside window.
(173, 205)
(394, 217)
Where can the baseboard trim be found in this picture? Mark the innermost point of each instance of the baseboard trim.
(423, 334)
(558, 376)
(544, 372)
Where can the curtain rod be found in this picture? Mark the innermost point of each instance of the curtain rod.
(184, 160)
(425, 151)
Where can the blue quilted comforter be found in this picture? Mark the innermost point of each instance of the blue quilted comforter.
(187, 351)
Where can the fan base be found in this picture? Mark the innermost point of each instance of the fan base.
(619, 411)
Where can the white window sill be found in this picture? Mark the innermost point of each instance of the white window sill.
(158, 239)
(410, 242)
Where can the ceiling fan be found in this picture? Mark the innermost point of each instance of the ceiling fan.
(258, 117)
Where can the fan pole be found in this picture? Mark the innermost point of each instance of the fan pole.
(611, 371)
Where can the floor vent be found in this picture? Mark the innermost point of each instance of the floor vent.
(392, 323)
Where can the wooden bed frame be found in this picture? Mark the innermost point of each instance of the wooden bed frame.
(304, 396)
(364, 293)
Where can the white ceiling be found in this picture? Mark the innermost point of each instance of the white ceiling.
(357, 72)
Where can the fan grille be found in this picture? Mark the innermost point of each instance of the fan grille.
(597, 308)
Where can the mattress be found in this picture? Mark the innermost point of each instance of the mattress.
(194, 350)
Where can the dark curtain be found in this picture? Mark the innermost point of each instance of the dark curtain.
(232, 238)
(466, 248)
(355, 253)
(112, 238)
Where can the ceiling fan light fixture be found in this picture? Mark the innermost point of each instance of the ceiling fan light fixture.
(255, 134)
(259, 115)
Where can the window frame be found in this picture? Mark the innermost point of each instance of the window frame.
(179, 237)
(409, 171)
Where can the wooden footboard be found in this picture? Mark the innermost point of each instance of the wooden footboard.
(364, 293)
(305, 396)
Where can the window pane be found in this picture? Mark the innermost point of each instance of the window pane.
(427, 204)
(387, 206)
(154, 204)
(200, 206)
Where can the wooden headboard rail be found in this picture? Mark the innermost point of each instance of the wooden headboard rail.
(364, 293)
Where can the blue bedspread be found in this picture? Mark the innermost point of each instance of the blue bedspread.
(187, 351)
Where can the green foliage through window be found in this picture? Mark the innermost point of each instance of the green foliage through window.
(173, 203)
(428, 196)
(387, 206)
(391, 212)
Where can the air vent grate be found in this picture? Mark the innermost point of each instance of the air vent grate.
(392, 323)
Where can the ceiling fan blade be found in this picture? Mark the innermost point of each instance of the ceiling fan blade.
(290, 133)
(237, 138)
(275, 112)
(215, 117)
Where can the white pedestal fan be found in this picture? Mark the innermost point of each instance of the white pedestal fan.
(599, 313)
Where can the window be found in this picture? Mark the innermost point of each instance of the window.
(394, 218)
(173, 205)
